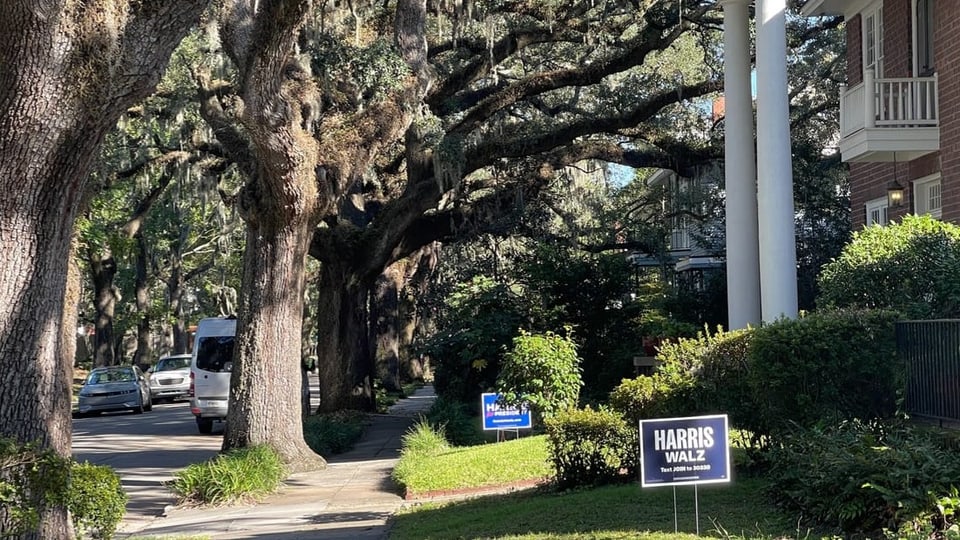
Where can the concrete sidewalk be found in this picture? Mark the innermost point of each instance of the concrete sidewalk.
(352, 498)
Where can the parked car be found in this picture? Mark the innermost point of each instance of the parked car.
(170, 378)
(210, 369)
(116, 388)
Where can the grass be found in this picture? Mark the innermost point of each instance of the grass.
(737, 510)
(475, 466)
(246, 473)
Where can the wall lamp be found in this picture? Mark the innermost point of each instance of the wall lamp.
(895, 194)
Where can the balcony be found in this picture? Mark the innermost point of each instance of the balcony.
(898, 120)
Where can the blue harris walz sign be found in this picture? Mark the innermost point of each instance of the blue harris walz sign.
(496, 415)
(680, 451)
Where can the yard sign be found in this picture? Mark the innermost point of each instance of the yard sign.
(497, 416)
(682, 451)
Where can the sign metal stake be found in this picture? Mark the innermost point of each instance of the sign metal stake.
(696, 507)
(675, 529)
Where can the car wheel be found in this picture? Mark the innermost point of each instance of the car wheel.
(149, 406)
(139, 408)
(205, 425)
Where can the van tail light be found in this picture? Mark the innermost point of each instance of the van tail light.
(191, 392)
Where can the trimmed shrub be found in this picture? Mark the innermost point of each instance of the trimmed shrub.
(244, 473)
(912, 267)
(591, 447)
(825, 367)
(864, 477)
(333, 433)
(542, 370)
(97, 501)
(706, 374)
(30, 478)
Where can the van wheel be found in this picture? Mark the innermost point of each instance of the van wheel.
(205, 425)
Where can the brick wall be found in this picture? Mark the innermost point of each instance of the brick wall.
(947, 58)
(869, 181)
(854, 51)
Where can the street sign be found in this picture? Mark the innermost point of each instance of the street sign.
(683, 451)
(497, 416)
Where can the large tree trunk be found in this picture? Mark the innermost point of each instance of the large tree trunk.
(385, 315)
(103, 269)
(412, 322)
(143, 355)
(281, 204)
(343, 354)
(175, 291)
(265, 406)
(69, 71)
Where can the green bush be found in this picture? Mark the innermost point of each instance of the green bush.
(542, 370)
(864, 477)
(461, 428)
(30, 479)
(591, 447)
(706, 374)
(480, 319)
(333, 433)
(912, 267)
(97, 501)
(247, 472)
(824, 367)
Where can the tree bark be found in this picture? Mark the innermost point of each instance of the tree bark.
(345, 365)
(103, 269)
(263, 409)
(281, 205)
(385, 314)
(68, 71)
(143, 354)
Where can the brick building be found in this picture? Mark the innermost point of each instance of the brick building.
(900, 109)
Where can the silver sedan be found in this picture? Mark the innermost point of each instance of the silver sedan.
(116, 388)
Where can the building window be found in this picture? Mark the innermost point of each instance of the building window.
(923, 38)
(873, 39)
(877, 212)
(927, 196)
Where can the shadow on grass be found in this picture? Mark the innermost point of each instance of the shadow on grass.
(737, 510)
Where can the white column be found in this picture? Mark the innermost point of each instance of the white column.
(743, 260)
(778, 251)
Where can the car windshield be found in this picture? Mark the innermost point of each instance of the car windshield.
(113, 375)
(170, 364)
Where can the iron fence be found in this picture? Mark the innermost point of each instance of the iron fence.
(931, 352)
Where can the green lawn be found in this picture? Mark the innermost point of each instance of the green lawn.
(737, 510)
(475, 466)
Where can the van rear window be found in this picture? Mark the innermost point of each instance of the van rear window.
(215, 353)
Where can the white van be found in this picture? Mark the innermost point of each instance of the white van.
(210, 366)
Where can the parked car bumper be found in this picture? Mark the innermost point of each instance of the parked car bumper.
(125, 401)
(170, 388)
(209, 408)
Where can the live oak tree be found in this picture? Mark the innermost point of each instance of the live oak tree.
(301, 159)
(521, 91)
(67, 71)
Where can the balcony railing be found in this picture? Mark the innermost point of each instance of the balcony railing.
(893, 103)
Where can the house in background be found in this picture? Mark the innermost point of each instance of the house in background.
(900, 108)
(693, 231)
